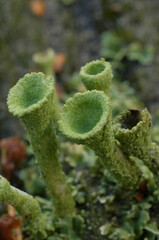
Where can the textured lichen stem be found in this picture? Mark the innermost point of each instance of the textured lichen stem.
(110, 154)
(45, 147)
(133, 131)
(86, 119)
(31, 99)
(26, 206)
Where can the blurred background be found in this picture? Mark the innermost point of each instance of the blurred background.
(124, 32)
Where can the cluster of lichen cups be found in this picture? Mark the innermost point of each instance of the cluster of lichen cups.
(85, 119)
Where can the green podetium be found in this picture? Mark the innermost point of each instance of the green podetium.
(86, 119)
(133, 131)
(26, 206)
(32, 100)
(97, 75)
(45, 61)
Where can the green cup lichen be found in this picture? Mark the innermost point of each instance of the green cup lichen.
(27, 100)
(32, 100)
(97, 75)
(84, 115)
(44, 60)
(123, 146)
(133, 131)
(86, 119)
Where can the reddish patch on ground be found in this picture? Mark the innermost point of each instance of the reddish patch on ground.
(7, 226)
(13, 150)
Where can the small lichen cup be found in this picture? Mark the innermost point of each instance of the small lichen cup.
(86, 119)
(97, 75)
(45, 61)
(32, 100)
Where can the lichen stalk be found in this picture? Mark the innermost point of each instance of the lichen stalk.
(133, 131)
(86, 119)
(31, 100)
(44, 60)
(26, 206)
(97, 75)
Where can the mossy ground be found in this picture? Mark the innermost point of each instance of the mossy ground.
(107, 210)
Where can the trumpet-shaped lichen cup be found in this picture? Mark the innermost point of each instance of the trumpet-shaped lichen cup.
(84, 115)
(32, 100)
(97, 75)
(86, 119)
(27, 100)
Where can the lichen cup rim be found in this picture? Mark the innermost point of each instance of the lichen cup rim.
(145, 119)
(85, 68)
(101, 98)
(14, 104)
(42, 56)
